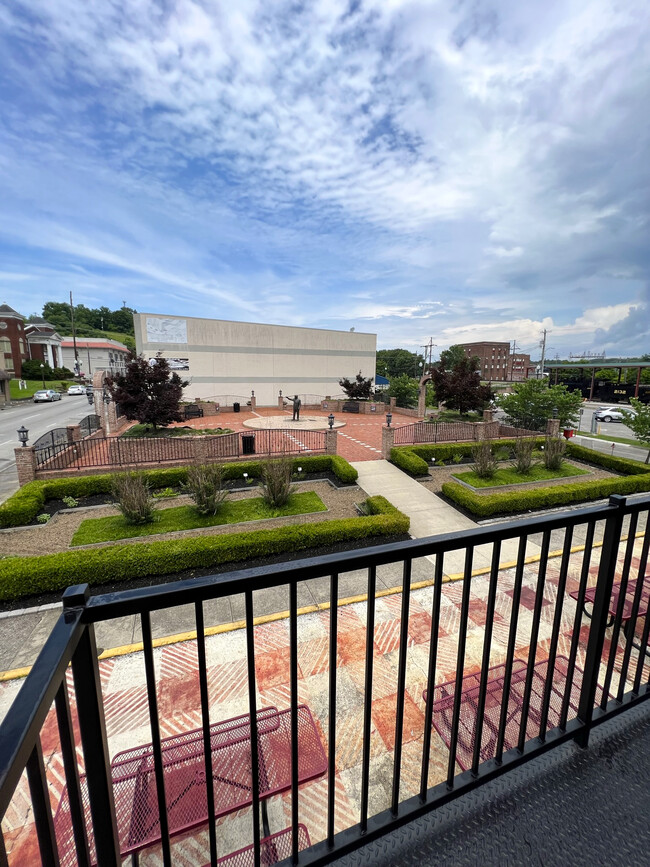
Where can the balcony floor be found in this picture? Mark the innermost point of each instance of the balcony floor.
(570, 806)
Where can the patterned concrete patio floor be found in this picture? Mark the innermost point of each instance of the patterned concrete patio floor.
(123, 684)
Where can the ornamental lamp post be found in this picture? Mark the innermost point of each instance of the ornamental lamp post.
(43, 374)
(554, 412)
(389, 418)
(91, 399)
(23, 435)
(330, 420)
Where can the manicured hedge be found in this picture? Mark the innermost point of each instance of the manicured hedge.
(626, 466)
(28, 576)
(28, 502)
(415, 459)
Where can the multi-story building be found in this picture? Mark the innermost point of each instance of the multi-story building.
(43, 342)
(94, 353)
(520, 366)
(497, 363)
(13, 343)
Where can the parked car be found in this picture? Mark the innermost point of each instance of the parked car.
(77, 389)
(611, 413)
(46, 395)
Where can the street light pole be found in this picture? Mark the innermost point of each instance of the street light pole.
(43, 374)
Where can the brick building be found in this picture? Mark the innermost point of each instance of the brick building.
(497, 363)
(13, 343)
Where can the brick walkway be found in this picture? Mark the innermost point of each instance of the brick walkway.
(125, 697)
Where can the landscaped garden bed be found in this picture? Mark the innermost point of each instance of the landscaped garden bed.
(508, 476)
(145, 430)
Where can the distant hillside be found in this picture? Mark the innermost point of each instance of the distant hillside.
(91, 321)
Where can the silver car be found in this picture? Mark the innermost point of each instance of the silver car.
(46, 395)
(611, 413)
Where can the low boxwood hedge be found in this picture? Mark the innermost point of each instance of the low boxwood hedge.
(29, 576)
(415, 459)
(23, 506)
(626, 466)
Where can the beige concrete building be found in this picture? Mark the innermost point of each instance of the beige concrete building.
(223, 358)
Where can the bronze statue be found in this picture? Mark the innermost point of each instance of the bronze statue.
(296, 408)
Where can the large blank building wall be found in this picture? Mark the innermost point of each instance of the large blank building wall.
(233, 358)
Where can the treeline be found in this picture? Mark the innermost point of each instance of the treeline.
(91, 321)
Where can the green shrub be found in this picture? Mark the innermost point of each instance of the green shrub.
(27, 576)
(70, 502)
(485, 462)
(510, 502)
(276, 481)
(43, 519)
(523, 462)
(165, 494)
(458, 457)
(205, 487)
(553, 454)
(406, 459)
(133, 497)
(23, 506)
(626, 466)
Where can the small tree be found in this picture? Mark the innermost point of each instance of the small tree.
(359, 388)
(460, 387)
(148, 391)
(533, 401)
(405, 389)
(639, 423)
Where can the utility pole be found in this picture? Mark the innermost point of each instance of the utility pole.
(512, 360)
(543, 345)
(428, 353)
(74, 337)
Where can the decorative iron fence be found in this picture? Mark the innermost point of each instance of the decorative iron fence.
(50, 444)
(434, 432)
(506, 430)
(119, 452)
(89, 424)
(547, 677)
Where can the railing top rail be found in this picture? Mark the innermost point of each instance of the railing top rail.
(21, 727)
(118, 604)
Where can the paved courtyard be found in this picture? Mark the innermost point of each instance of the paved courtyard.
(123, 684)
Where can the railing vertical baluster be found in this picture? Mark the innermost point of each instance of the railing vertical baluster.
(331, 757)
(532, 651)
(431, 675)
(92, 728)
(252, 705)
(616, 628)
(606, 572)
(555, 634)
(152, 697)
(205, 721)
(485, 662)
(293, 644)
(460, 663)
(367, 699)
(634, 613)
(41, 804)
(575, 636)
(401, 682)
(512, 643)
(69, 757)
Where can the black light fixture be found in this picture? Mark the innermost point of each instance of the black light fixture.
(554, 412)
(23, 435)
(106, 395)
(389, 418)
(91, 399)
(330, 419)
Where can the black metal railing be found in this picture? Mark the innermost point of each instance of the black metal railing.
(51, 443)
(434, 432)
(533, 615)
(89, 424)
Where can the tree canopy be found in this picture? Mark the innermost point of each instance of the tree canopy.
(148, 391)
(533, 401)
(459, 387)
(452, 357)
(90, 321)
(358, 388)
(398, 362)
(639, 422)
(405, 389)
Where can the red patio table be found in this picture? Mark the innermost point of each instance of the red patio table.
(644, 601)
(134, 784)
(443, 706)
(275, 848)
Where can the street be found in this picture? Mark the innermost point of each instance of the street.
(38, 418)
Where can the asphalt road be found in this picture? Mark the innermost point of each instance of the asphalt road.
(38, 418)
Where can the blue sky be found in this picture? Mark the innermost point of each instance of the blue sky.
(456, 170)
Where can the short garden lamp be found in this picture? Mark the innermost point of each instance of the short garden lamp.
(23, 435)
(389, 418)
(554, 412)
(330, 420)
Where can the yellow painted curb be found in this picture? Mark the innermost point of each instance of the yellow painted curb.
(126, 649)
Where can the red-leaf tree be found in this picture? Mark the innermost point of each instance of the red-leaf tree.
(358, 388)
(148, 391)
(460, 387)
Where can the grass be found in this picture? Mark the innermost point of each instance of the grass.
(96, 530)
(143, 430)
(33, 385)
(607, 438)
(511, 477)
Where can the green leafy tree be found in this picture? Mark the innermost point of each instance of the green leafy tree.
(398, 362)
(460, 387)
(533, 401)
(405, 389)
(148, 391)
(359, 388)
(452, 357)
(639, 422)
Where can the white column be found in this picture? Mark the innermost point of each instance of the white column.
(50, 358)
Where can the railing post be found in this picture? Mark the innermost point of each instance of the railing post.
(387, 441)
(92, 727)
(331, 437)
(600, 614)
(25, 464)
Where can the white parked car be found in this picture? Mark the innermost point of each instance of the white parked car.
(611, 413)
(45, 395)
(77, 389)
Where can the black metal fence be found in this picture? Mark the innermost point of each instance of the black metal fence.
(489, 726)
(434, 432)
(89, 424)
(50, 444)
